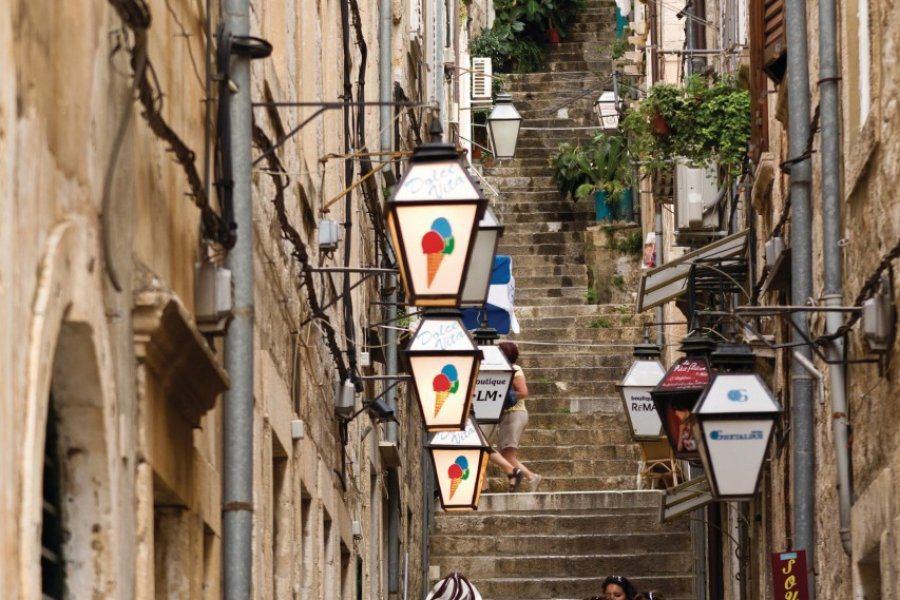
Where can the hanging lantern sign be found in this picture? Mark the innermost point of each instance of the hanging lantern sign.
(478, 277)
(674, 398)
(460, 461)
(733, 423)
(432, 220)
(645, 373)
(443, 362)
(494, 378)
(503, 127)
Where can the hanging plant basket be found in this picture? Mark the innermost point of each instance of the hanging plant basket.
(660, 126)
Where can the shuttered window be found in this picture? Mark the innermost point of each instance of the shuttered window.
(759, 84)
(53, 573)
(774, 41)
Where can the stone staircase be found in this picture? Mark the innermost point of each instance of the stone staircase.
(588, 519)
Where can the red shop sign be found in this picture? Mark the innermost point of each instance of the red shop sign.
(687, 375)
(789, 575)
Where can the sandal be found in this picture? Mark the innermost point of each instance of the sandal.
(515, 478)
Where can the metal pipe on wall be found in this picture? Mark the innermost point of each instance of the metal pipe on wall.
(390, 352)
(829, 113)
(802, 409)
(237, 480)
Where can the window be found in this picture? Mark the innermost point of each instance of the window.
(53, 569)
(759, 83)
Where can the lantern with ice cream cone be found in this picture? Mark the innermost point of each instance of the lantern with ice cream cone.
(460, 463)
(443, 362)
(432, 219)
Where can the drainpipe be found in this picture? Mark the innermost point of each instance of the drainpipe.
(385, 25)
(802, 413)
(237, 487)
(660, 312)
(831, 235)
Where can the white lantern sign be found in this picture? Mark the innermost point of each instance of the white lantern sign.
(494, 378)
(733, 422)
(644, 375)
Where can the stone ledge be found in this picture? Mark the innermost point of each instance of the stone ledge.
(169, 343)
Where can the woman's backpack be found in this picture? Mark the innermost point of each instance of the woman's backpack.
(511, 399)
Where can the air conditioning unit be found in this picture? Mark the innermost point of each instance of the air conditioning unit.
(482, 72)
(696, 195)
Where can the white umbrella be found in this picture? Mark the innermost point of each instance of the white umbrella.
(454, 587)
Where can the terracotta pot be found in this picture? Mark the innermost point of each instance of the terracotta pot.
(659, 126)
(553, 36)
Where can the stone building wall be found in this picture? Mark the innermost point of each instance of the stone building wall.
(97, 297)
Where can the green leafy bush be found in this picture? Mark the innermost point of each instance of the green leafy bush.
(515, 42)
(700, 121)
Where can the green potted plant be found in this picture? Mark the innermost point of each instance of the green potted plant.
(701, 121)
(607, 170)
(601, 169)
(567, 172)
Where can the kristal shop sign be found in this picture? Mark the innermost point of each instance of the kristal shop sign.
(789, 575)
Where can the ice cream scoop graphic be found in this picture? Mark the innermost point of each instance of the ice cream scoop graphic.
(458, 472)
(437, 243)
(444, 384)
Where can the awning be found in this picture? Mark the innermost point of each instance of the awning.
(669, 281)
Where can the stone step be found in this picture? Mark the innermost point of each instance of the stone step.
(548, 261)
(586, 405)
(533, 356)
(605, 423)
(537, 220)
(552, 470)
(551, 281)
(515, 238)
(601, 329)
(603, 385)
(530, 544)
(575, 436)
(590, 310)
(583, 565)
(540, 249)
(615, 314)
(542, 300)
(522, 273)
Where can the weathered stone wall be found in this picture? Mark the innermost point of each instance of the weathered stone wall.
(140, 421)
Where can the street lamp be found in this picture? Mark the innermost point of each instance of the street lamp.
(607, 110)
(478, 278)
(678, 392)
(494, 378)
(733, 423)
(503, 127)
(460, 461)
(432, 219)
(443, 362)
(645, 373)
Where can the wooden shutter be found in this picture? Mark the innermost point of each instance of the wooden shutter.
(759, 84)
(481, 78)
(774, 41)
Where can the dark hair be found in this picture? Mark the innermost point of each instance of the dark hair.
(627, 587)
(510, 350)
(649, 596)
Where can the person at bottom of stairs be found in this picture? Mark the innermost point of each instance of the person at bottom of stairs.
(514, 420)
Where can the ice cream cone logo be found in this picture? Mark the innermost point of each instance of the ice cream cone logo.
(437, 243)
(458, 472)
(446, 383)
